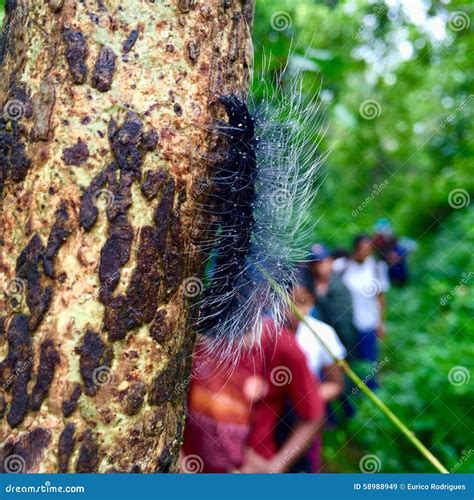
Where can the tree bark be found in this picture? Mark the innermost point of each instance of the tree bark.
(108, 115)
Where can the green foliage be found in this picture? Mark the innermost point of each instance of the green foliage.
(430, 334)
(355, 51)
(403, 162)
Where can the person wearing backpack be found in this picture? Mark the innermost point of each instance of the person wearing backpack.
(333, 301)
(392, 252)
(367, 280)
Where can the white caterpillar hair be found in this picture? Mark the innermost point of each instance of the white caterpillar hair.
(264, 187)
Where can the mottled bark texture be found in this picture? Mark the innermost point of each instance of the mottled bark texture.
(106, 128)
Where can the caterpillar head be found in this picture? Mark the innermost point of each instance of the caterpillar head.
(241, 126)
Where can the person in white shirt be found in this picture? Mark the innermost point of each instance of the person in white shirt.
(320, 362)
(367, 280)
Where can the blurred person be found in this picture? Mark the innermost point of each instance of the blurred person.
(333, 301)
(233, 412)
(320, 362)
(367, 280)
(391, 251)
(339, 252)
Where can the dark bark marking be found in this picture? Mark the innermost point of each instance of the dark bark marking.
(11, 39)
(30, 447)
(133, 398)
(2, 329)
(3, 405)
(76, 154)
(143, 293)
(116, 322)
(10, 6)
(152, 183)
(165, 461)
(114, 254)
(164, 387)
(130, 41)
(248, 9)
(27, 269)
(126, 141)
(14, 164)
(173, 262)
(150, 140)
(66, 445)
(76, 53)
(69, 405)
(129, 144)
(49, 358)
(19, 360)
(160, 328)
(88, 459)
(57, 237)
(168, 457)
(104, 69)
(91, 353)
(88, 212)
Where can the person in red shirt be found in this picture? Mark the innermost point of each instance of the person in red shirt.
(233, 412)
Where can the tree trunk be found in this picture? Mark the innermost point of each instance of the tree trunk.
(107, 122)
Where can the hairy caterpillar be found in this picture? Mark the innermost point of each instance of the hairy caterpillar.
(262, 189)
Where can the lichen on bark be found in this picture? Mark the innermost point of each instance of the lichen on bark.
(106, 124)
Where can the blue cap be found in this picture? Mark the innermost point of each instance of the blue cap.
(383, 226)
(318, 252)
